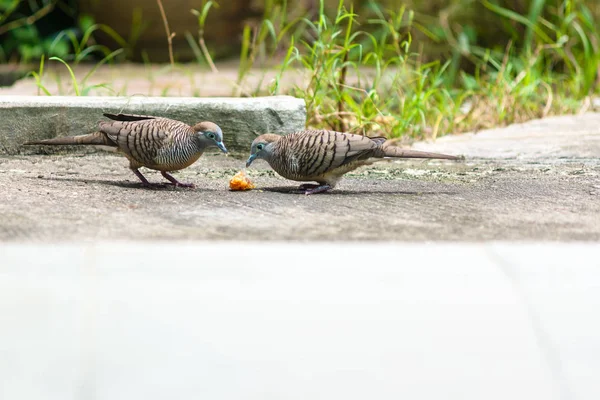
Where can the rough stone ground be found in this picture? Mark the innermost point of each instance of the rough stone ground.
(94, 196)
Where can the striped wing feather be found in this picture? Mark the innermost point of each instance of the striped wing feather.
(145, 140)
(314, 153)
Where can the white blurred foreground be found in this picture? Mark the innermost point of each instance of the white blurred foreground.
(202, 320)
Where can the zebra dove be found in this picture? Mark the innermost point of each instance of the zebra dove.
(325, 156)
(153, 142)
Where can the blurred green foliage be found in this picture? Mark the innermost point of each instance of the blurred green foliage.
(21, 37)
(32, 29)
(397, 68)
(496, 61)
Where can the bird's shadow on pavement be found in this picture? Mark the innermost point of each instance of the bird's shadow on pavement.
(293, 190)
(158, 186)
(290, 190)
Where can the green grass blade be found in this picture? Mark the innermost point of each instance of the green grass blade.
(194, 46)
(100, 63)
(535, 10)
(87, 51)
(518, 18)
(73, 79)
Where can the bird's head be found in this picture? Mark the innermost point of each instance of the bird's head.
(262, 147)
(210, 135)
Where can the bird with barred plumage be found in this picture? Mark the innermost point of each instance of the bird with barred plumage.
(325, 156)
(156, 143)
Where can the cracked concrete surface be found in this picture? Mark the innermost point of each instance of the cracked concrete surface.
(81, 196)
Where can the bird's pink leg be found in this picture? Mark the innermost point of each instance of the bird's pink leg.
(143, 179)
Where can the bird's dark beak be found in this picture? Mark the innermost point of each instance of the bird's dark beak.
(221, 146)
(250, 159)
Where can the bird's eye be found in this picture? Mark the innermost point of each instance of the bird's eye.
(211, 135)
(259, 146)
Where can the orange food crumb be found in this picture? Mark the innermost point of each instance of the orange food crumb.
(240, 182)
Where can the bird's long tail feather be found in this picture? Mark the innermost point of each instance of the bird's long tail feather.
(394, 151)
(96, 138)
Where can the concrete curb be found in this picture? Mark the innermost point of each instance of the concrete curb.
(24, 118)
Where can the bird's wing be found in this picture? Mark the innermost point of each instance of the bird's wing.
(143, 139)
(127, 117)
(317, 152)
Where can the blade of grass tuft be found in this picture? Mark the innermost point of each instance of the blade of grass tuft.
(71, 73)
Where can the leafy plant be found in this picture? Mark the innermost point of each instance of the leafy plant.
(201, 50)
(24, 42)
(19, 34)
(370, 79)
(361, 82)
(83, 47)
(363, 70)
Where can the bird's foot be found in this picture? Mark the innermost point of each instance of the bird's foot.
(145, 182)
(181, 184)
(306, 186)
(314, 189)
(175, 182)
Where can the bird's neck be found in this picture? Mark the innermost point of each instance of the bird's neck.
(199, 145)
(268, 154)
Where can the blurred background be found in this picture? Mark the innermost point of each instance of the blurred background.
(30, 28)
(454, 64)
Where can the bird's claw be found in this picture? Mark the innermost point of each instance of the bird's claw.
(313, 189)
(184, 185)
(307, 186)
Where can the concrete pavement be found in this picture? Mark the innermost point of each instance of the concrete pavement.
(95, 196)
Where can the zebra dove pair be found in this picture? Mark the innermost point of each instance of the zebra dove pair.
(167, 145)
